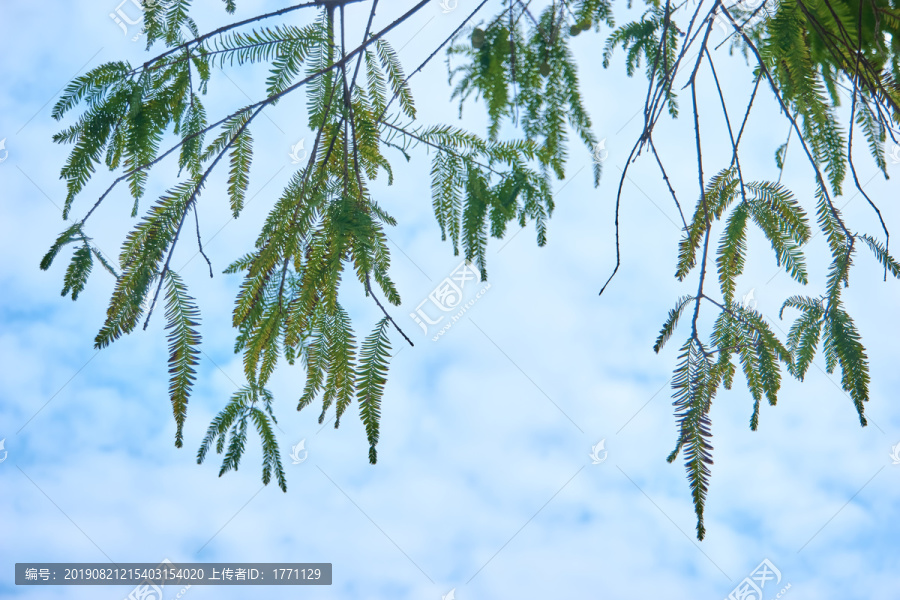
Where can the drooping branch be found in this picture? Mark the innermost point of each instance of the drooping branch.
(266, 101)
(859, 187)
(802, 139)
(189, 205)
(225, 28)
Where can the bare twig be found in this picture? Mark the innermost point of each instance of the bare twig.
(200, 243)
(386, 314)
(668, 183)
(850, 145)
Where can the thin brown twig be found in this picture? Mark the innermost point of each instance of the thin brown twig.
(735, 159)
(229, 27)
(386, 314)
(850, 146)
(266, 101)
(652, 111)
(200, 243)
(188, 205)
(668, 183)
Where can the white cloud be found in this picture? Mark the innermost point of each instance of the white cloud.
(473, 457)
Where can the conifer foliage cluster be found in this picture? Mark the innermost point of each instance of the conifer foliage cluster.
(327, 227)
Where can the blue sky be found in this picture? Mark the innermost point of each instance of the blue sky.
(484, 482)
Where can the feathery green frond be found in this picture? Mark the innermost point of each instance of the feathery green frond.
(881, 254)
(239, 173)
(671, 323)
(69, 236)
(719, 194)
(732, 251)
(182, 318)
(78, 272)
(842, 340)
(803, 337)
(371, 377)
(244, 407)
(271, 455)
(395, 77)
(694, 384)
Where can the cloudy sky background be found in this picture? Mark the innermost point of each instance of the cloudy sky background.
(484, 482)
